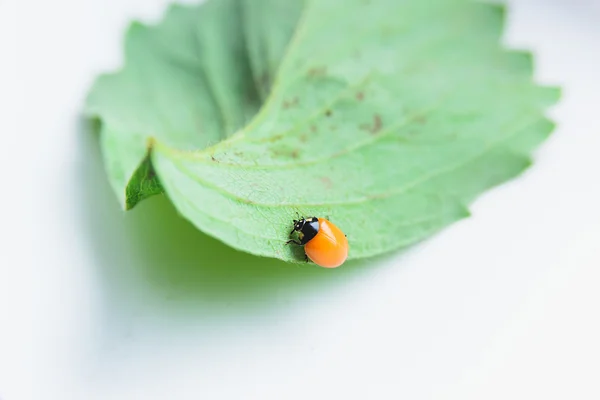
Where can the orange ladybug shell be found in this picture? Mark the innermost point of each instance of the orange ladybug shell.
(329, 247)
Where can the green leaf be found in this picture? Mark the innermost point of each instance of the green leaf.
(389, 117)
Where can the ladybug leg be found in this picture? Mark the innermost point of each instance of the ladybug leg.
(305, 257)
(293, 241)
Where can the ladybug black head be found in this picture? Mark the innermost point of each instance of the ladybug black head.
(298, 225)
(307, 228)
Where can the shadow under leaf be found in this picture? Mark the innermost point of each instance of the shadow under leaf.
(154, 254)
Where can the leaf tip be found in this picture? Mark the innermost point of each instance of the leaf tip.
(497, 10)
(135, 26)
(465, 213)
(494, 15)
(552, 94)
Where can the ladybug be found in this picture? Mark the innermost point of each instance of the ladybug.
(324, 243)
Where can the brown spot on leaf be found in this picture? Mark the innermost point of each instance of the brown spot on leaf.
(327, 182)
(303, 138)
(317, 71)
(290, 103)
(275, 138)
(375, 127)
(421, 119)
(313, 128)
(328, 113)
(285, 152)
(377, 124)
(360, 96)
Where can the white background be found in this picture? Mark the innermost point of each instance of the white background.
(98, 304)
